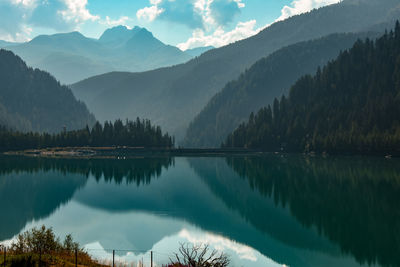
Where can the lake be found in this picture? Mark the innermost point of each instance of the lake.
(271, 210)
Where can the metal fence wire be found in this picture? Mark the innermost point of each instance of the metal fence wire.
(87, 257)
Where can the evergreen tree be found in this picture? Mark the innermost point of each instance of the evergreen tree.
(351, 105)
(139, 133)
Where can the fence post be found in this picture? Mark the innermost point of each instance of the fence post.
(76, 257)
(40, 257)
(5, 256)
(151, 258)
(113, 258)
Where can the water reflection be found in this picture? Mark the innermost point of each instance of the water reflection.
(351, 201)
(136, 170)
(33, 188)
(293, 210)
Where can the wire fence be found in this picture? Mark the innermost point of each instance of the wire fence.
(86, 257)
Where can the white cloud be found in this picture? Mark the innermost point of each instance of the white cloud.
(243, 30)
(219, 37)
(240, 3)
(21, 36)
(121, 21)
(19, 17)
(25, 3)
(77, 12)
(149, 13)
(219, 243)
(301, 6)
(13, 13)
(207, 18)
(192, 13)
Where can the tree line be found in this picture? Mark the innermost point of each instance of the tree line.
(351, 105)
(139, 133)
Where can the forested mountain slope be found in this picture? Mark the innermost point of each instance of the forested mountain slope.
(32, 100)
(352, 105)
(172, 97)
(257, 87)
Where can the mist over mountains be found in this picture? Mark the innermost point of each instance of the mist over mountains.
(195, 52)
(173, 96)
(71, 57)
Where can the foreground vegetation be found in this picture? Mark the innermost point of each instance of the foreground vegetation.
(139, 133)
(40, 247)
(352, 105)
(198, 256)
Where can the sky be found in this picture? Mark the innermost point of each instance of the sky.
(183, 23)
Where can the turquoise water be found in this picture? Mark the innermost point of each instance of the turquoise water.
(262, 211)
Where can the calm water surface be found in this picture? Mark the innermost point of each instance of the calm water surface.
(262, 211)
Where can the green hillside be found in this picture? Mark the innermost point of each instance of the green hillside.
(33, 100)
(267, 79)
(351, 105)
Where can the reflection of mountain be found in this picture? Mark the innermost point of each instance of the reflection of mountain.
(302, 212)
(352, 201)
(183, 195)
(261, 212)
(33, 188)
(27, 196)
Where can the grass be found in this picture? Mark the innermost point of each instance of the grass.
(54, 259)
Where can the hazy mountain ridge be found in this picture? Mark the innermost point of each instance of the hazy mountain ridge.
(195, 52)
(32, 100)
(4, 44)
(172, 97)
(117, 49)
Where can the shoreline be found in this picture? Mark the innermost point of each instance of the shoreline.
(131, 152)
(116, 152)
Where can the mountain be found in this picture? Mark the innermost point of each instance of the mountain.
(351, 105)
(5, 44)
(32, 100)
(195, 52)
(71, 57)
(117, 36)
(258, 86)
(172, 97)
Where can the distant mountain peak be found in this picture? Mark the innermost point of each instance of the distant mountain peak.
(143, 33)
(118, 34)
(58, 37)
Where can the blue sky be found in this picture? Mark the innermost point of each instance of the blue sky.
(184, 23)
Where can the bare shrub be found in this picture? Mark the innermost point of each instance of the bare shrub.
(198, 255)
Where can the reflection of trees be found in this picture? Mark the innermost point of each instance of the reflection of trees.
(33, 196)
(352, 201)
(33, 188)
(139, 170)
(261, 212)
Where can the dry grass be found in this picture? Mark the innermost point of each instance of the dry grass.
(49, 260)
